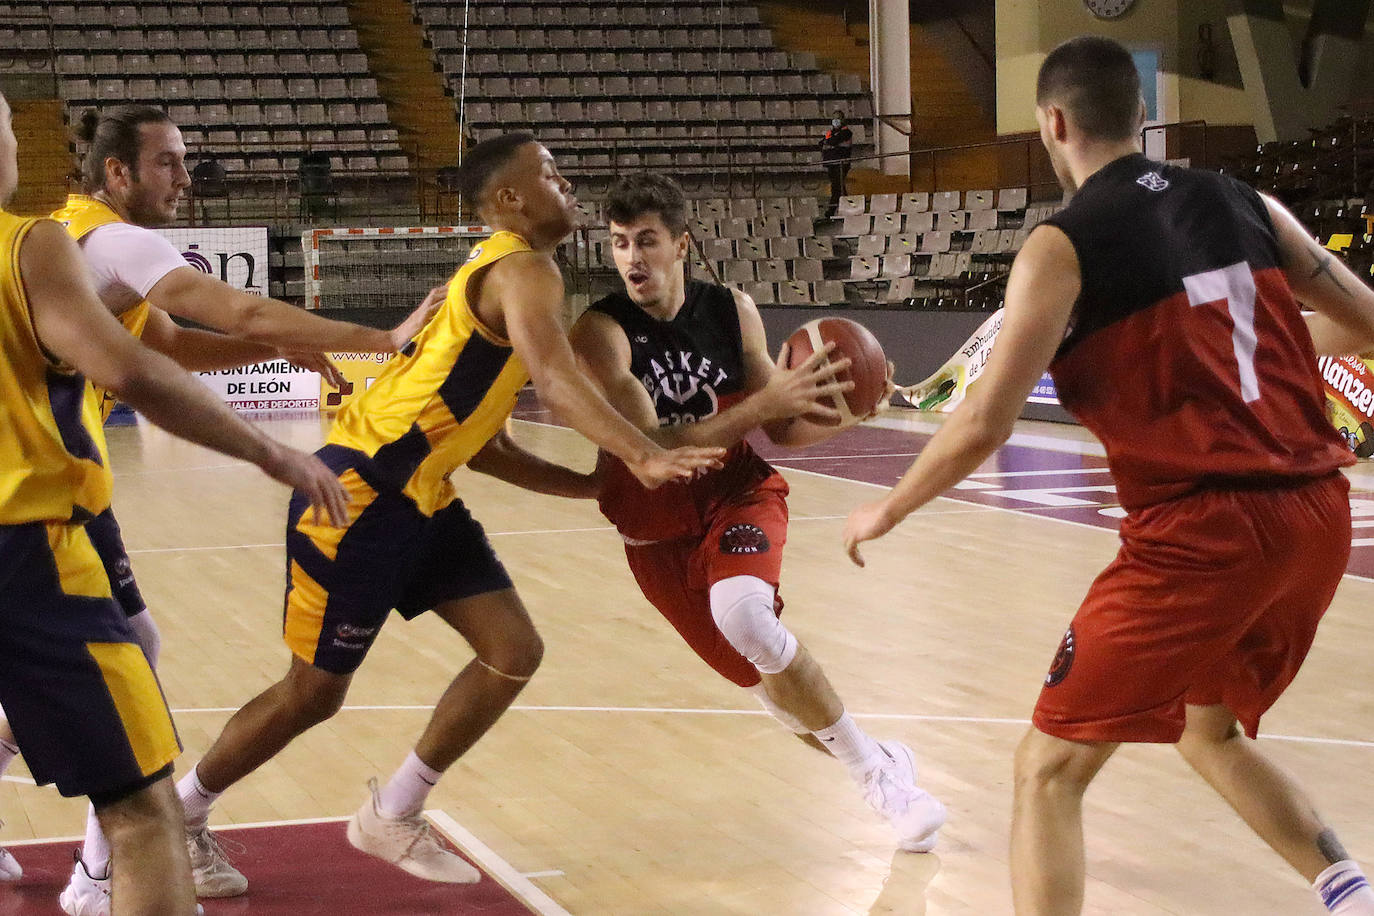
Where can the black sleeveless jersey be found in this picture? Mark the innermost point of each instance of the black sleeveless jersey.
(693, 368)
(689, 364)
(1186, 352)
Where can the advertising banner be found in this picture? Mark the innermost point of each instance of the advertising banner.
(238, 256)
(1349, 382)
(360, 370)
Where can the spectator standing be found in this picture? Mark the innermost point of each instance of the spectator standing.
(836, 149)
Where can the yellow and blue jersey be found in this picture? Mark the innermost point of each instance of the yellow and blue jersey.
(434, 407)
(80, 217)
(53, 464)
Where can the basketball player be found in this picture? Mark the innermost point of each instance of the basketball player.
(1162, 301)
(82, 697)
(411, 544)
(133, 176)
(688, 363)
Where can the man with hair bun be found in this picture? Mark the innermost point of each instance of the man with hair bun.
(1164, 301)
(410, 543)
(84, 701)
(133, 175)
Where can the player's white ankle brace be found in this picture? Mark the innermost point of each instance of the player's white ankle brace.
(743, 609)
(519, 678)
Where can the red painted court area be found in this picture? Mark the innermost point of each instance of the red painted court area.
(293, 870)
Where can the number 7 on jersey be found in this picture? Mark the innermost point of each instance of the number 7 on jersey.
(1234, 288)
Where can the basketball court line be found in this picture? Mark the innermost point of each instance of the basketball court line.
(703, 711)
(504, 873)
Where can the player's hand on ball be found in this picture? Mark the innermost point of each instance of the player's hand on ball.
(309, 475)
(405, 332)
(867, 522)
(808, 389)
(675, 464)
(316, 362)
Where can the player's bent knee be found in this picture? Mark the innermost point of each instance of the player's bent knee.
(742, 607)
(311, 695)
(517, 659)
(1045, 763)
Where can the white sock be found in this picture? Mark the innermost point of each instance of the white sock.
(408, 788)
(8, 751)
(95, 851)
(852, 746)
(195, 798)
(1343, 889)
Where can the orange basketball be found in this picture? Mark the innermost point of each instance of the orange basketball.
(868, 369)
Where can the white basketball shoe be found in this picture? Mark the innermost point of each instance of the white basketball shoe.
(214, 875)
(10, 869)
(408, 843)
(891, 790)
(84, 895)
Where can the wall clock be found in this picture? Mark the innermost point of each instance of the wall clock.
(1108, 9)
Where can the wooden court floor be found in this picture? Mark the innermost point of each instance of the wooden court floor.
(631, 780)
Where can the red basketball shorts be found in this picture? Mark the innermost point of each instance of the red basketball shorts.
(1214, 598)
(745, 537)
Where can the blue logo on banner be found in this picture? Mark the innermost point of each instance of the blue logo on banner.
(1044, 391)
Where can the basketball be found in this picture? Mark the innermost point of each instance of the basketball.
(868, 364)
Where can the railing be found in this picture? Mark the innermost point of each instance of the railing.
(1173, 136)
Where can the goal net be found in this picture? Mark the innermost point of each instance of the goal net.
(386, 267)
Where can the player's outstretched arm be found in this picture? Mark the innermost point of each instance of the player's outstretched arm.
(75, 326)
(207, 300)
(1041, 292)
(530, 290)
(206, 351)
(604, 354)
(503, 458)
(1344, 323)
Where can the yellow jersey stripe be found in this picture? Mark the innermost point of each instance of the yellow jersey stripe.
(430, 411)
(138, 700)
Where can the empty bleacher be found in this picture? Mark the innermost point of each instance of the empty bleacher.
(695, 85)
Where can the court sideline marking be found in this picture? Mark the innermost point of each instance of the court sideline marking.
(688, 711)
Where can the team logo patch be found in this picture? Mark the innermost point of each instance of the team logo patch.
(743, 538)
(475, 253)
(349, 631)
(1153, 181)
(1063, 661)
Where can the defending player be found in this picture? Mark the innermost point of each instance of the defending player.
(133, 177)
(82, 697)
(1162, 301)
(411, 544)
(688, 363)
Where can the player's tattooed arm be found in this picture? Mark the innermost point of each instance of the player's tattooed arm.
(1344, 305)
(1323, 262)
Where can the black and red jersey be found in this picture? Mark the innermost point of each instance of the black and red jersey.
(1186, 353)
(692, 367)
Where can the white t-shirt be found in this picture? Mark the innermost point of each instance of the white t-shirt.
(127, 261)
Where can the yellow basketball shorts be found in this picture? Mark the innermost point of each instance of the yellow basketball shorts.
(87, 710)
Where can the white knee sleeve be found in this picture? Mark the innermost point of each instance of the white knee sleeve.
(743, 609)
(149, 638)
